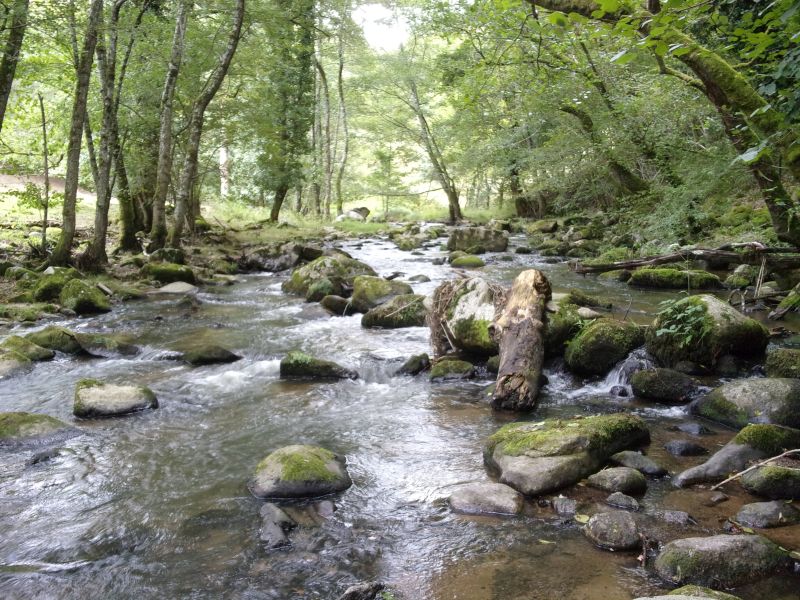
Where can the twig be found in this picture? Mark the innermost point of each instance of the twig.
(755, 466)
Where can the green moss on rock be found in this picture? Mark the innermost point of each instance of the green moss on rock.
(560, 328)
(26, 313)
(165, 272)
(601, 345)
(83, 298)
(369, 292)
(26, 348)
(338, 268)
(303, 366)
(773, 481)
(783, 362)
(770, 439)
(467, 262)
(22, 426)
(56, 338)
(49, 287)
(451, 369)
(674, 279)
(407, 310)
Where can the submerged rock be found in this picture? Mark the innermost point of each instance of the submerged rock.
(302, 366)
(370, 292)
(717, 328)
(773, 481)
(300, 472)
(684, 448)
(638, 461)
(107, 345)
(754, 442)
(94, 398)
(363, 591)
(663, 385)
(768, 514)
(56, 338)
(486, 498)
(415, 365)
(338, 268)
(451, 369)
(338, 306)
(198, 351)
(538, 458)
(602, 345)
(17, 428)
(407, 310)
(275, 524)
(720, 561)
(737, 403)
(619, 479)
(466, 238)
(615, 530)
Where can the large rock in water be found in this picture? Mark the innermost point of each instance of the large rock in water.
(12, 363)
(165, 272)
(465, 309)
(754, 442)
(407, 310)
(486, 498)
(278, 257)
(94, 398)
(737, 403)
(768, 514)
(720, 561)
(717, 328)
(675, 279)
(615, 530)
(543, 457)
(693, 592)
(338, 268)
(300, 472)
(26, 348)
(17, 428)
(602, 345)
(83, 298)
(369, 292)
(773, 481)
(663, 385)
(299, 365)
(469, 238)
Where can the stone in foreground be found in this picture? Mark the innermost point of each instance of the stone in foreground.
(300, 472)
(94, 398)
(486, 498)
(538, 458)
(720, 561)
(760, 400)
(613, 531)
(773, 481)
(768, 514)
(299, 365)
(30, 428)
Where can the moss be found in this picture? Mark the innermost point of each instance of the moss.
(165, 272)
(338, 268)
(773, 481)
(299, 364)
(321, 288)
(717, 408)
(597, 435)
(26, 348)
(304, 463)
(369, 292)
(783, 362)
(736, 282)
(701, 592)
(25, 312)
(56, 338)
(407, 310)
(451, 369)
(18, 425)
(493, 364)
(770, 439)
(20, 273)
(674, 279)
(473, 335)
(83, 298)
(791, 302)
(49, 287)
(560, 328)
(601, 345)
(579, 298)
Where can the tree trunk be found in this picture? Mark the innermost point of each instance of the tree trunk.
(158, 230)
(62, 252)
(346, 132)
(8, 65)
(196, 126)
(224, 172)
(46, 165)
(280, 196)
(325, 139)
(520, 331)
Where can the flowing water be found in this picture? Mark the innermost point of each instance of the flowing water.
(156, 505)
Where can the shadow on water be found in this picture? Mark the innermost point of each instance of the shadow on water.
(156, 505)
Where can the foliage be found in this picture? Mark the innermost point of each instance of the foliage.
(684, 322)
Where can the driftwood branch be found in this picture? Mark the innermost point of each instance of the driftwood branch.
(755, 466)
(754, 254)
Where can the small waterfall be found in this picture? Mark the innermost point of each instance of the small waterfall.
(617, 382)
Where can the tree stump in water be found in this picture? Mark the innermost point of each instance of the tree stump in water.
(520, 331)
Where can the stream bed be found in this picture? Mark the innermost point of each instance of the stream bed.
(156, 505)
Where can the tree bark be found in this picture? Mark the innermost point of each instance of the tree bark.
(46, 165)
(345, 130)
(62, 251)
(325, 139)
(212, 86)
(158, 230)
(280, 196)
(520, 330)
(11, 51)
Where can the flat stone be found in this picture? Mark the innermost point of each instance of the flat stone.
(97, 399)
(619, 479)
(638, 461)
(486, 498)
(768, 514)
(177, 287)
(613, 531)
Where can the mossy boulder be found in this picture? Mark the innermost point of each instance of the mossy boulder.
(463, 238)
(415, 365)
(560, 328)
(451, 369)
(26, 348)
(12, 363)
(369, 292)
(26, 312)
(663, 385)
(542, 226)
(83, 298)
(48, 287)
(107, 345)
(94, 399)
(776, 481)
(674, 279)
(407, 310)
(338, 268)
(198, 353)
(702, 329)
(754, 442)
(26, 428)
(19, 273)
(467, 262)
(321, 288)
(579, 298)
(56, 338)
(783, 362)
(701, 592)
(720, 561)
(337, 306)
(601, 345)
(165, 272)
(300, 472)
(543, 457)
(175, 256)
(737, 403)
(469, 313)
(299, 365)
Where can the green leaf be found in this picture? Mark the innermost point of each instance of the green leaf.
(622, 58)
(582, 518)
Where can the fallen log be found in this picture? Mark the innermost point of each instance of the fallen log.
(754, 254)
(520, 331)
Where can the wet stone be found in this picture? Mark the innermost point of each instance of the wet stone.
(716, 498)
(638, 461)
(565, 507)
(768, 514)
(613, 531)
(621, 500)
(676, 517)
(619, 479)
(486, 498)
(274, 526)
(685, 448)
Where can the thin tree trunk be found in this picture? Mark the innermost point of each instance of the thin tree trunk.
(345, 130)
(224, 172)
(196, 126)
(280, 196)
(46, 161)
(325, 141)
(316, 148)
(158, 231)
(520, 331)
(11, 52)
(62, 252)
